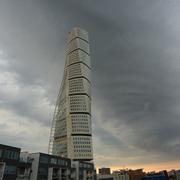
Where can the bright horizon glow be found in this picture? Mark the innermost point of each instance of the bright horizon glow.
(147, 168)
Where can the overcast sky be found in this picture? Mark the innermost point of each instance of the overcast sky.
(135, 51)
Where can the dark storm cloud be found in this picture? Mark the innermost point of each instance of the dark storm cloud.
(134, 51)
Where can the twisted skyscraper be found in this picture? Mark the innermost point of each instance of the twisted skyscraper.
(71, 127)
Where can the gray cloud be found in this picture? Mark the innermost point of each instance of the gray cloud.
(134, 51)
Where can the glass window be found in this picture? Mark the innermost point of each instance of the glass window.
(59, 162)
(5, 154)
(16, 155)
(44, 159)
(53, 161)
(11, 154)
(9, 169)
(43, 171)
(1, 152)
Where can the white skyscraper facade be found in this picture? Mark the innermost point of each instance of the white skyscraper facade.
(71, 134)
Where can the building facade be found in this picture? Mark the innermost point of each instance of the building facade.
(9, 159)
(41, 166)
(116, 175)
(81, 170)
(71, 126)
(174, 174)
(161, 175)
(136, 174)
(104, 171)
